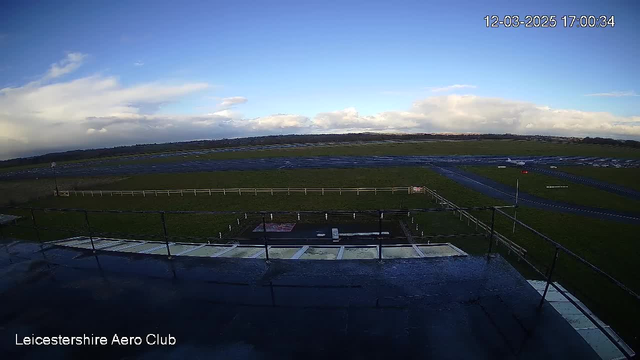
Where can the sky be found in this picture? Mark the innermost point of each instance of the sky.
(89, 74)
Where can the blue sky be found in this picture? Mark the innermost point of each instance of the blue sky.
(308, 66)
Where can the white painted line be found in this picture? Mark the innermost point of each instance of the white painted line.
(190, 250)
(153, 249)
(224, 251)
(420, 253)
(63, 240)
(258, 253)
(113, 243)
(340, 253)
(132, 245)
(300, 252)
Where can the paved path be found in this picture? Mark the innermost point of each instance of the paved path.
(506, 193)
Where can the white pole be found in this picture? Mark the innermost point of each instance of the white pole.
(515, 210)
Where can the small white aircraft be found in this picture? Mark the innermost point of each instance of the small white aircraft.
(519, 163)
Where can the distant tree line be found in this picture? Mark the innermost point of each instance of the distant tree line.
(606, 141)
(287, 139)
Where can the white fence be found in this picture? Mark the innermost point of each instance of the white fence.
(245, 191)
(478, 224)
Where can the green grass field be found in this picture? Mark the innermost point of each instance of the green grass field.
(629, 177)
(535, 184)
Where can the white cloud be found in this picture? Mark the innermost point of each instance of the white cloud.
(65, 66)
(93, 131)
(614, 94)
(98, 111)
(474, 114)
(231, 101)
(138, 63)
(452, 88)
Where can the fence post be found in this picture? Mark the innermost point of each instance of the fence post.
(35, 226)
(553, 265)
(493, 219)
(266, 239)
(86, 218)
(164, 230)
(379, 235)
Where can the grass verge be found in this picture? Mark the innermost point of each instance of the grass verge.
(579, 194)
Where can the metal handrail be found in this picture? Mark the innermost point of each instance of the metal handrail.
(574, 255)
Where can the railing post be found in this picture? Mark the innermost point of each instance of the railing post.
(35, 226)
(379, 235)
(546, 287)
(86, 218)
(164, 230)
(493, 220)
(266, 240)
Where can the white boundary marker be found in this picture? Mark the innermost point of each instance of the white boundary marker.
(301, 251)
(113, 243)
(256, 255)
(153, 249)
(224, 251)
(190, 250)
(420, 253)
(340, 253)
(132, 245)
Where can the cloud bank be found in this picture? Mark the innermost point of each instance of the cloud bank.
(97, 111)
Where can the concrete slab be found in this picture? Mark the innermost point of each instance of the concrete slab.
(399, 252)
(601, 344)
(98, 243)
(438, 251)
(321, 253)
(174, 248)
(73, 242)
(280, 252)
(141, 247)
(243, 252)
(360, 253)
(208, 250)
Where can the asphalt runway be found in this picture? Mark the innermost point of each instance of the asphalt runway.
(314, 162)
(506, 193)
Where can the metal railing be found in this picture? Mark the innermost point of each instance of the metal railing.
(558, 248)
(489, 231)
(488, 228)
(263, 215)
(244, 191)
